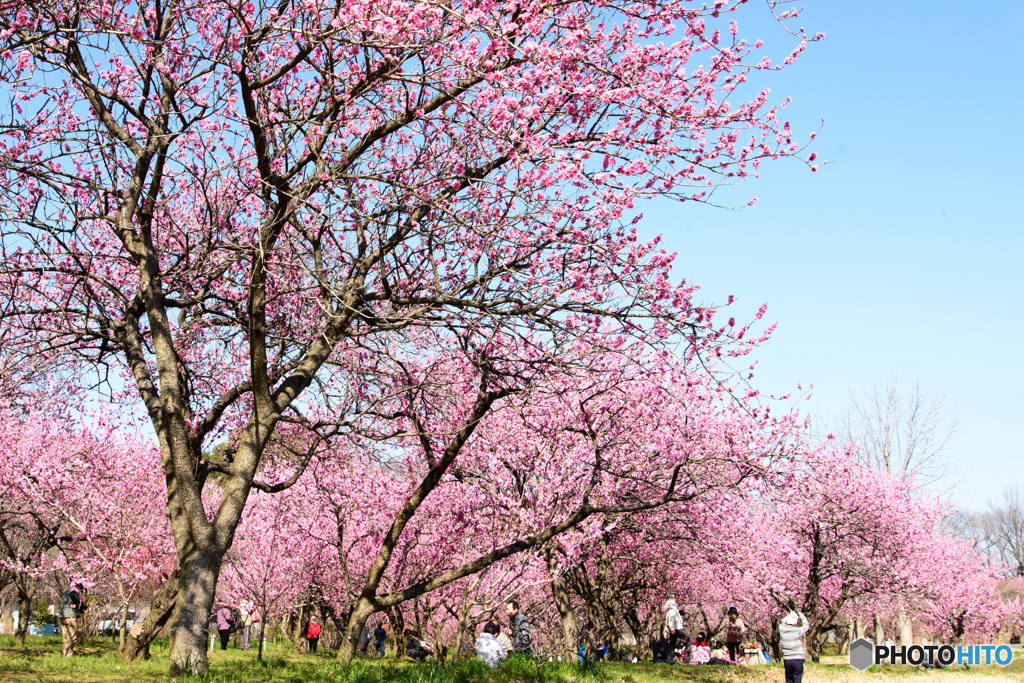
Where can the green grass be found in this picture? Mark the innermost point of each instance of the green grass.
(95, 662)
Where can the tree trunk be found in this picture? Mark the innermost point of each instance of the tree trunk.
(567, 617)
(844, 636)
(192, 608)
(121, 627)
(560, 592)
(879, 631)
(632, 620)
(814, 641)
(361, 611)
(460, 634)
(399, 631)
(858, 629)
(138, 639)
(774, 640)
(296, 629)
(24, 615)
(906, 629)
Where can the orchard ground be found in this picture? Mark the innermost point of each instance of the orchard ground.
(39, 660)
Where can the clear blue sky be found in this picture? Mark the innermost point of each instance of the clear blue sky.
(903, 254)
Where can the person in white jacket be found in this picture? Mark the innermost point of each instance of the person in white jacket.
(794, 625)
(488, 648)
(674, 624)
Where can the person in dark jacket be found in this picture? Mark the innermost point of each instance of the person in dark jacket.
(661, 648)
(522, 643)
(415, 648)
(72, 604)
(379, 636)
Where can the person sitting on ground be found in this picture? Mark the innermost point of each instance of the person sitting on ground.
(661, 649)
(700, 651)
(503, 638)
(415, 648)
(488, 649)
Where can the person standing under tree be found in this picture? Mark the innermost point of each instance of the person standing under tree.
(379, 636)
(313, 634)
(674, 623)
(72, 604)
(364, 639)
(256, 619)
(245, 613)
(522, 643)
(734, 632)
(792, 628)
(225, 625)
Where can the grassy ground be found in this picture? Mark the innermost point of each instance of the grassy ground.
(39, 660)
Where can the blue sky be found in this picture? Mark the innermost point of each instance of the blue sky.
(903, 254)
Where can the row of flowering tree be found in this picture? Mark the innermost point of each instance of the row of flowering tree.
(591, 502)
(785, 527)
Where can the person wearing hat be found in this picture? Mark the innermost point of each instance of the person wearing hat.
(734, 632)
(792, 628)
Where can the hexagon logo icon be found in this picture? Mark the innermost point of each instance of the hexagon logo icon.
(862, 654)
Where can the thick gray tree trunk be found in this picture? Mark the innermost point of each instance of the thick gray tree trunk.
(191, 619)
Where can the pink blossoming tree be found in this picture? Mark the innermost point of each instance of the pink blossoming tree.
(236, 210)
